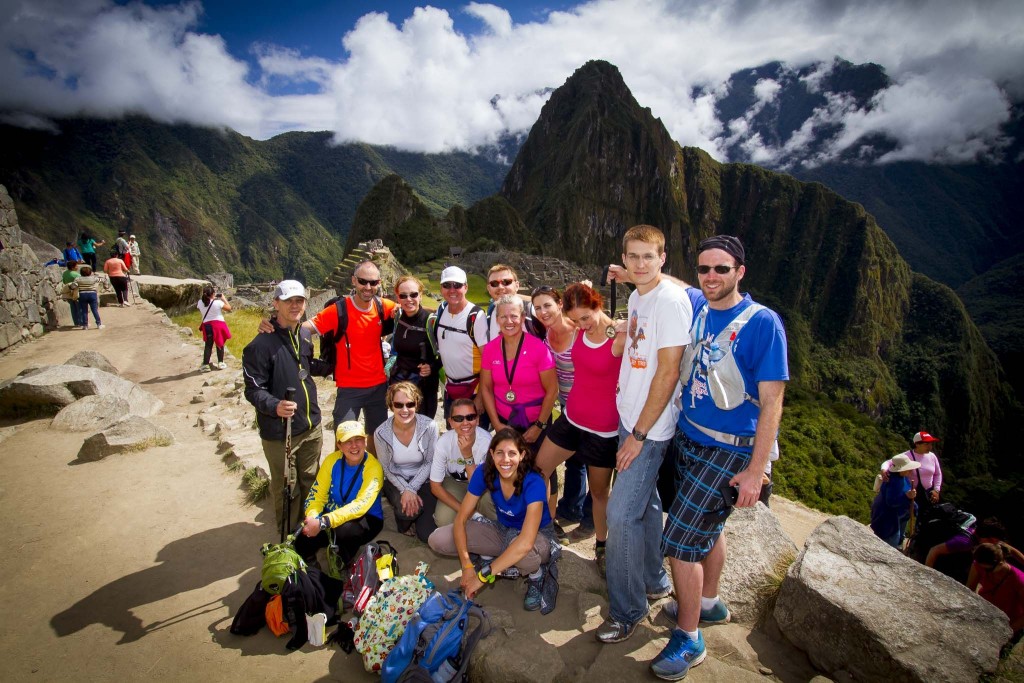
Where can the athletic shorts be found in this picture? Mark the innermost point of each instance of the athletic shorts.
(698, 513)
(593, 450)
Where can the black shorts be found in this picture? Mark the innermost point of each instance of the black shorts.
(593, 450)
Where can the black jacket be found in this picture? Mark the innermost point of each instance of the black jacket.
(269, 366)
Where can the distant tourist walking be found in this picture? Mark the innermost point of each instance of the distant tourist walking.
(133, 249)
(71, 253)
(213, 326)
(71, 293)
(927, 480)
(894, 501)
(87, 246)
(88, 297)
(117, 270)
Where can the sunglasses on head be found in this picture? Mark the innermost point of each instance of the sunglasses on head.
(501, 283)
(464, 418)
(543, 289)
(363, 281)
(452, 285)
(410, 295)
(721, 270)
(409, 405)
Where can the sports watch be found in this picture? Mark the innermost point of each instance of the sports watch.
(323, 522)
(485, 574)
(638, 435)
(539, 425)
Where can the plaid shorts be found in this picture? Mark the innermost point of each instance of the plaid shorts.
(698, 512)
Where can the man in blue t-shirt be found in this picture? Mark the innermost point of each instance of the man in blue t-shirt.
(733, 378)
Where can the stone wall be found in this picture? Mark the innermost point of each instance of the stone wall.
(29, 298)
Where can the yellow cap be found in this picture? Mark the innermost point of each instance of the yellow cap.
(350, 430)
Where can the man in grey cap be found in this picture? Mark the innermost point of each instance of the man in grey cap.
(133, 249)
(271, 364)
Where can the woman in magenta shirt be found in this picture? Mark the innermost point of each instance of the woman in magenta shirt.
(589, 426)
(518, 384)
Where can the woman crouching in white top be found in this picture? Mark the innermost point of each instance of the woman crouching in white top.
(458, 452)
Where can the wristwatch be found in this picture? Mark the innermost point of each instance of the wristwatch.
(539, 425)
(485, 574)
(638, 435)
(323, 523)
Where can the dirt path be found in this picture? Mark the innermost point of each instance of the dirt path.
(131, 567)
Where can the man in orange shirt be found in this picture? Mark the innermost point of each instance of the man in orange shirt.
(359, 368)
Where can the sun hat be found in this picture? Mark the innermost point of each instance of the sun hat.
(902, 463)
(289, 289)
(350, 430)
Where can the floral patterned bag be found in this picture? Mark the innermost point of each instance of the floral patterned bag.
(391, 608)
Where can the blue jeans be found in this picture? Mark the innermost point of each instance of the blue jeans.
(634, 557)
(575, 504)
(86, 301)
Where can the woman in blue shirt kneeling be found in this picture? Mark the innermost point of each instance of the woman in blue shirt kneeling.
(523, 533)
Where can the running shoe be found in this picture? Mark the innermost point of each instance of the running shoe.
(719, 614)
(681, 653)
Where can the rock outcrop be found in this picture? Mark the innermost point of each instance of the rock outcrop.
(129, 435)
(92, 359)
(92, 413)
(49, 389)
(758, 548)
(859, 608)
(171, 294)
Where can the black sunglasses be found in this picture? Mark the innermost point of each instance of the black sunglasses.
(543, 289)
(505, 283)
(364, 282)
(452, 285)
(410, 404)
(721, 270)
(410, 295)
(464, 418)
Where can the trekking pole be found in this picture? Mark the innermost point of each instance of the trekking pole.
(290, 475)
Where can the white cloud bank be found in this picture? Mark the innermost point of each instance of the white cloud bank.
(417, 83)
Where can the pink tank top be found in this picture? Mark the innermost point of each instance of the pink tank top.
(591, 404)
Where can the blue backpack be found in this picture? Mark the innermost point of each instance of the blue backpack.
(438, 640)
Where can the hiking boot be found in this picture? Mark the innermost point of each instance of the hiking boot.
(581, 533)
(612, 631)
(658, 595)
(719, 614)
(205, 367)
(222, 365)
(601, 562)
(531, 603)
(559, 531)
(673, 663)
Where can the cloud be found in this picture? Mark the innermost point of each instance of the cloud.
(418, 83)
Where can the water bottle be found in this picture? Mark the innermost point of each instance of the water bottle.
(446, 672)
(716, 353)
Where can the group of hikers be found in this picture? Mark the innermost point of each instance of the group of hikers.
(81, 281)
(907, 514)
(699, 369)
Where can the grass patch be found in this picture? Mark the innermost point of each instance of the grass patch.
(242, 322)
(256, 487)
(236, 466)
(771, 585)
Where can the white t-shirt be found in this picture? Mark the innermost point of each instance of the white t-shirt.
(448, 458)
(659, 319)
(460, 357)
(406, 460)
(216, 308)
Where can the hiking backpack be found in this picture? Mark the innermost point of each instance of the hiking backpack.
(375, 563)
(329, 342)
(434, 322)
(280, 563)
(438, 640)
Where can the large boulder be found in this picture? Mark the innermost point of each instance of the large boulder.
(758, 548)
(91, 413)
(129, 435)
(171, 294)
(92, 359)
(49, 389)
(860, 608)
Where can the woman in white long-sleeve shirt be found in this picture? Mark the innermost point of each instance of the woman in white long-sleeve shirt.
(405, 448)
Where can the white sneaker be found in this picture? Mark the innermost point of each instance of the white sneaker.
(222, 365)
(102, 326)
(205, 368)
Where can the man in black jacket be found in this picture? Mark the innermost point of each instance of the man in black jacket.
(270, 364)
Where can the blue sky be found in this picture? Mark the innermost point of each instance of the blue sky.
(457, 76)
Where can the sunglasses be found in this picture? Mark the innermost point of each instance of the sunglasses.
(452, 285)
(458, 419)
(501, 283)
(409, 405)
(543, 289)
(364, 282)
(721, 270)
(410, 295)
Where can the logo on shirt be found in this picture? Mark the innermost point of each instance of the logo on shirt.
(637, 360)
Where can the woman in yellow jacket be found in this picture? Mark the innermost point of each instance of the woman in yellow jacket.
(345, 498)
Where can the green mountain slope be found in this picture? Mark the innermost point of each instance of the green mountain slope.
(202, 200)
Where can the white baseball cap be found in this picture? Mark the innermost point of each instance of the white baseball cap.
(453, 274)
(289, 289)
